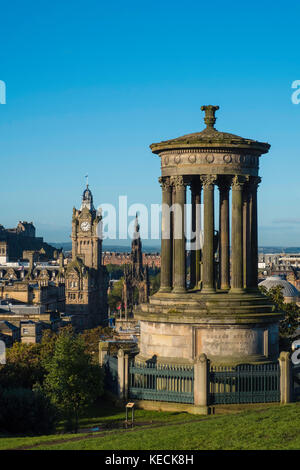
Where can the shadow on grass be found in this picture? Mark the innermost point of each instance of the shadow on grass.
(106, 415)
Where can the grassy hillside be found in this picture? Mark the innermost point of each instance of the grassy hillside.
(260, 427)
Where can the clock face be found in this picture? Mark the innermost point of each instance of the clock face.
(85, 226)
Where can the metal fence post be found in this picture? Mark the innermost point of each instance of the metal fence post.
(201, 381)
(285, 377)
(126, 373)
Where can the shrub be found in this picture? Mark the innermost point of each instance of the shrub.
(26, 411)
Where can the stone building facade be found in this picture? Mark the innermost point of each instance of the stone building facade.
(34, 284)
(9, 332)
(14, 241)
(152, 260)
(75, 287)
(86, 279)
(30, 332)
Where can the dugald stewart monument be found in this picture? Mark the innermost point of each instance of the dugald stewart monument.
(221, 313)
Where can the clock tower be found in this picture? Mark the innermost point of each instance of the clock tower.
(86, 243)
(87, 279)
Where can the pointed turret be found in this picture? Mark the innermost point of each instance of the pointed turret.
(136, 249)
(87, 199)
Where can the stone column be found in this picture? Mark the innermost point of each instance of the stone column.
(196, 226)
(254, 182)
(103, 351)
(179, 236)
(198, 235)
(247, 259)
(193, 240)
(166, 236)
(208, 248)
(172, 232)
(237, 235)
(224, 186)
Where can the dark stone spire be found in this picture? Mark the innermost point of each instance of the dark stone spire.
(136, 249)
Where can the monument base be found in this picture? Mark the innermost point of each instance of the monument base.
(229, 328)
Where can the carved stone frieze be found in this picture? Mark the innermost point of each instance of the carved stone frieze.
(224, 159)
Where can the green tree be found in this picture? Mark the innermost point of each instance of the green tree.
(115, 296)
(26, 411)
(25, 362)
(291, 311)
(72, 381)
(49, 338)
(47, 345)
(115, 271)
(154, 283)
(91, 340)
(23, 366)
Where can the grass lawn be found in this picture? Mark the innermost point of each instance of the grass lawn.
(105, 415)
(259, 427)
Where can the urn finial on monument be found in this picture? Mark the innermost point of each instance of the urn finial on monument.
(210, 117)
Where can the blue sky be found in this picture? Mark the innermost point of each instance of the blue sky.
(91, 84)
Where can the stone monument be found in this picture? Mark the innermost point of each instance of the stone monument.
(221, 313)
(136, 276)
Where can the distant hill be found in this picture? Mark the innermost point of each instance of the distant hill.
(67, 246)
(279, 249)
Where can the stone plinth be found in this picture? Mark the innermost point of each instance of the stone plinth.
(227, 328)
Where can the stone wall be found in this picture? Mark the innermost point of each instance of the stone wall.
(184, 342)
(167, 340)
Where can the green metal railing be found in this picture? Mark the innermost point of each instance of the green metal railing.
(245, 383)
(160, 382)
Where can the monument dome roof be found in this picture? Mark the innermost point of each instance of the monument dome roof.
(210, 137)
(288, 289)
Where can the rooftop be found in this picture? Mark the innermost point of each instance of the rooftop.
(210, 137)
(288, 290)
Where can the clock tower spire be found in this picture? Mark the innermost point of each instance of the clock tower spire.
(87, 199)
(86, 243)
(87, 279)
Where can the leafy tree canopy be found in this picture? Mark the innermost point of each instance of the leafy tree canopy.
(115, 296)
(92, 337)
(72, 381)
(290, 322)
